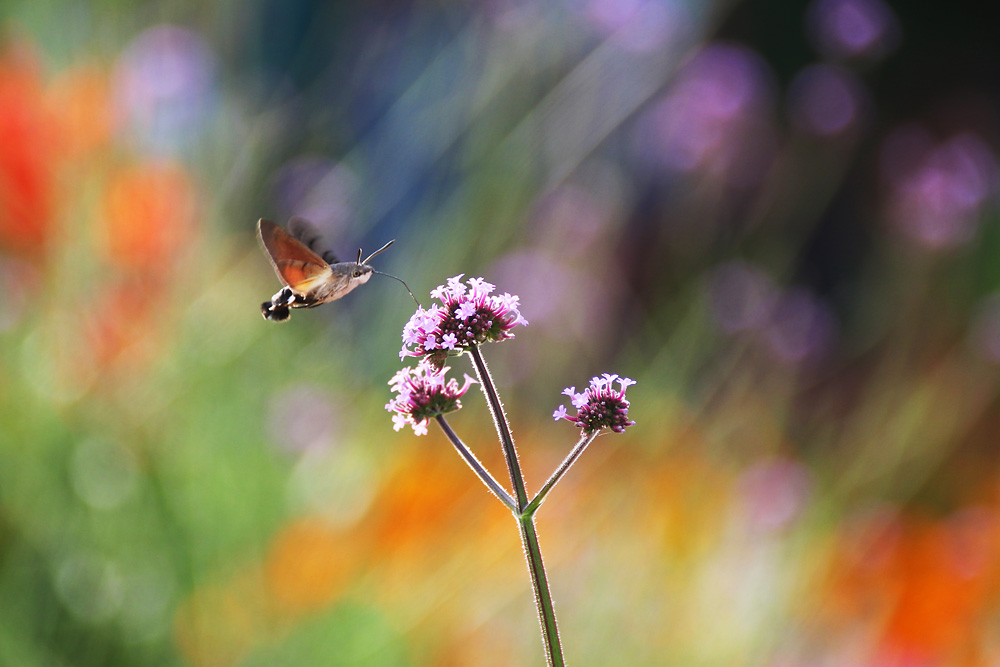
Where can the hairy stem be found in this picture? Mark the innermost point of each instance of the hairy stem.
(570, 459)
(476, 466)
(503, 429)
(525, 518)
(540, 584)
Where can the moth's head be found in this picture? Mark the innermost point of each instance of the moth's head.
(360, 273)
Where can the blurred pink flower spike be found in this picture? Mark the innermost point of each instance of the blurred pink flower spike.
(937, 200)
(716, 118)
(599, 406)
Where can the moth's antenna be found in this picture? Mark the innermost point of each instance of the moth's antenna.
(389, 275)
(375, 253)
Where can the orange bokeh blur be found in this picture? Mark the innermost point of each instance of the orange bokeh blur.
(82, 97)
(219, 623)
(149, 211)
(306, 569)
(308, 565)
(928, 583)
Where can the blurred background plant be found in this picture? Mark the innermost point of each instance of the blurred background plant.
(780, 217)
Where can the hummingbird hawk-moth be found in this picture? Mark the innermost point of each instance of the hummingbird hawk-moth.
(309, 278)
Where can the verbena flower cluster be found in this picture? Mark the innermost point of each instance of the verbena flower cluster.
(423, 393)
(468, 315)
(600, 405)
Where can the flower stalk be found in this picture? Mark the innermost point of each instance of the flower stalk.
(540, 584)
(503, 428)
(525, 518)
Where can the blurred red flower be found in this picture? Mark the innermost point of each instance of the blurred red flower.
(28, 150)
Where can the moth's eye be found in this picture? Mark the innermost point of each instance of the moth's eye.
(357, 273)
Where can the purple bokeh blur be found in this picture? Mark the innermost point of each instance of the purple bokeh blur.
(852, 28)
(826, 101)
(164, 87)
(717, 117)
(936, 191)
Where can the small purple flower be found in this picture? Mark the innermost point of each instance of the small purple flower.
(599, 406)
(423, 393)
(468, 315)
(465, 310)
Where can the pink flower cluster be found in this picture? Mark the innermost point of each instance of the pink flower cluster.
(468, 316)
(600, 405)
(423, 393)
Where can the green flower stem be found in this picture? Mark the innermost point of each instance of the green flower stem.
(525, 518)
(570, 459)
(503, 429)
(476, 466)
(546, 610)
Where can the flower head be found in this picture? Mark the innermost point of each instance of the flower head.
(423, 393)
(469, 314)
(599, 406)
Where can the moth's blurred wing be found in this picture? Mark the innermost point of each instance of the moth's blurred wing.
(296, 265)
(307, 232)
